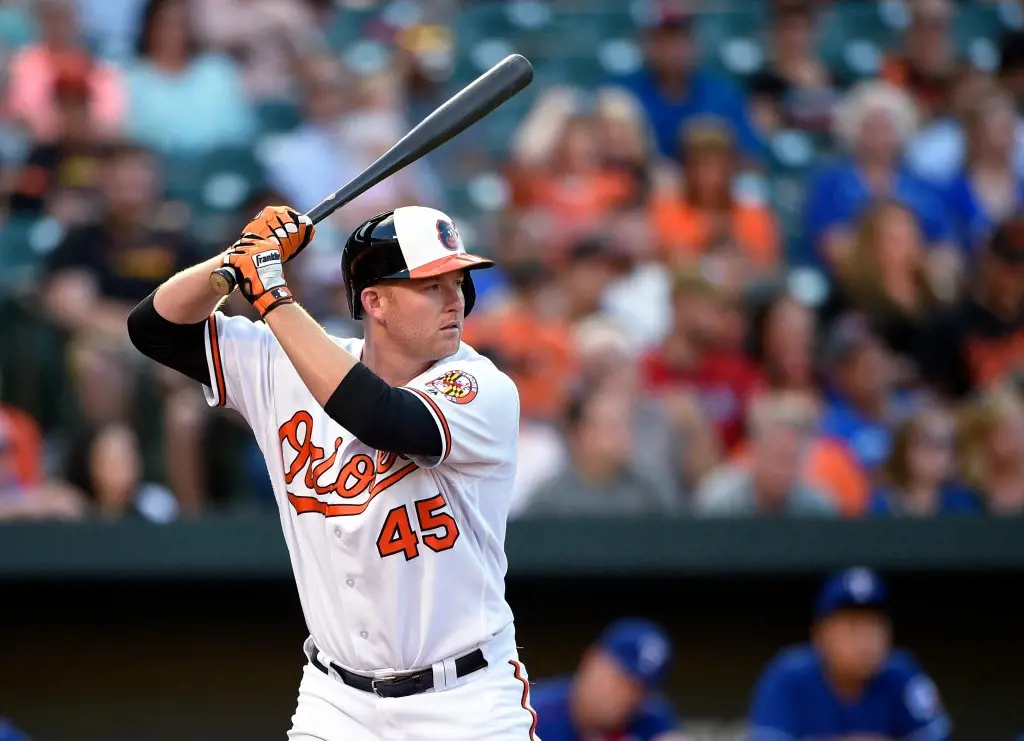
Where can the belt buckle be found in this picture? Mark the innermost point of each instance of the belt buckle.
(375, 680)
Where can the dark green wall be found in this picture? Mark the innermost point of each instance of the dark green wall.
(219, 660)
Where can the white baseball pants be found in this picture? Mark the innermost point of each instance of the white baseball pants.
(491, 704)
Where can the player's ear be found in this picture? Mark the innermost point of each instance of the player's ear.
(374, 301)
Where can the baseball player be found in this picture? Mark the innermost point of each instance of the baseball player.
(613, 694)
(848, 685)
(392, 460)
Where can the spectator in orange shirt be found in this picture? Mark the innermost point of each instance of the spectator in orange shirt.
(557, 170)
(528, 339)
(34, 70)
(25, 493)
(705, 212)
(625, 139)
(826, 466)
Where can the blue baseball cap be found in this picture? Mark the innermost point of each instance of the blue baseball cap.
(857, 587)
(641, 648)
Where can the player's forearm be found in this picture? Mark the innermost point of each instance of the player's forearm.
(320, 362)
(187, 298)
(381, 416)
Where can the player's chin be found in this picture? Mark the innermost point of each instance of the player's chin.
(447, 340)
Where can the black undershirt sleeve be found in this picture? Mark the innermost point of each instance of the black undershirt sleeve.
(181, 347)
(380, 416)
(383, 417)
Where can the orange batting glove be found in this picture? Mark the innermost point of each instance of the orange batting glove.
(285, 226)
(259, 268)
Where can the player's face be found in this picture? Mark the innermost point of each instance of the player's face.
(424, 317)
(854, 643)
(604, 697)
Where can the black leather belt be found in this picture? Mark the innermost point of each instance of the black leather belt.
(405, 684)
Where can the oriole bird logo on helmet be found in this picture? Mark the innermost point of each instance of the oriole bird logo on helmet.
(448, 234)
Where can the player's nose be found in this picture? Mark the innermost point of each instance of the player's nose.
(454, 300)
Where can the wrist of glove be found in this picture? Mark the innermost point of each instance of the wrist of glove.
(259, 268)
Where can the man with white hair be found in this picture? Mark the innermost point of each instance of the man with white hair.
(874, 123)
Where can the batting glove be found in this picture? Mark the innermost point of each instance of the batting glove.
(285, 226)
(259, 270)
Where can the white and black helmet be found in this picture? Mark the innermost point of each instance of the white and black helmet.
(409, 242)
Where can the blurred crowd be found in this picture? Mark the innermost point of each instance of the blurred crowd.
(788, 284)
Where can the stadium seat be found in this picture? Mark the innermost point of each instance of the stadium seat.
(792, 152)
(484, 20)
(731, 41)
(24, 242)
(16, 29)
(277, 116)
(787, 198)
(976, 32)
(347, 26)
(213, 179)
(181, 175)
(854, 37)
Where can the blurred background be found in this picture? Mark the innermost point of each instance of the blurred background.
(760, 284)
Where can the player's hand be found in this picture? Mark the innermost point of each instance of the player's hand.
(284, 226)
(259, 269)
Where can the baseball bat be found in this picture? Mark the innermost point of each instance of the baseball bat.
(451, 118)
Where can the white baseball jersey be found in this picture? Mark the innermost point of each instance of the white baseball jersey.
(399, 561)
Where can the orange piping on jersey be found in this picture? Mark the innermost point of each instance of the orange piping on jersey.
(306, 504)
(393, 479)
(518, 670)
(218, 369)
(440, 416)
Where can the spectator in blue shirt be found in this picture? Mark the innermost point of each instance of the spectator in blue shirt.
(183, 100)
(862, 408)
(918, 478)
(989, 189)
(612, 696)
(873, 125)
(673, 90)
(848, 683)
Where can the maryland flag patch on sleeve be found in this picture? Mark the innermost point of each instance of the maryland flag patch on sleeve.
(456, 386)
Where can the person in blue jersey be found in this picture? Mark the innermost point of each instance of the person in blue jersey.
(9, 733)
(613, 694)
(849, 683)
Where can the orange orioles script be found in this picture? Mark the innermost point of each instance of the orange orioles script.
(359, 475)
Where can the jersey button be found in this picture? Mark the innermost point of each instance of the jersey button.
(363, 634)
(337, 531)
(350, 582)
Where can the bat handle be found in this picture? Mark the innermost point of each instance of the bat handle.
(223, 281)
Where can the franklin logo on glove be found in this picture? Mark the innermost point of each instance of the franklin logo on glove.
(266, 258)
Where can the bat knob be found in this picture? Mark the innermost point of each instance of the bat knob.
(223, 281)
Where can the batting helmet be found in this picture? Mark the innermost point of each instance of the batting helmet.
(409, 242)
